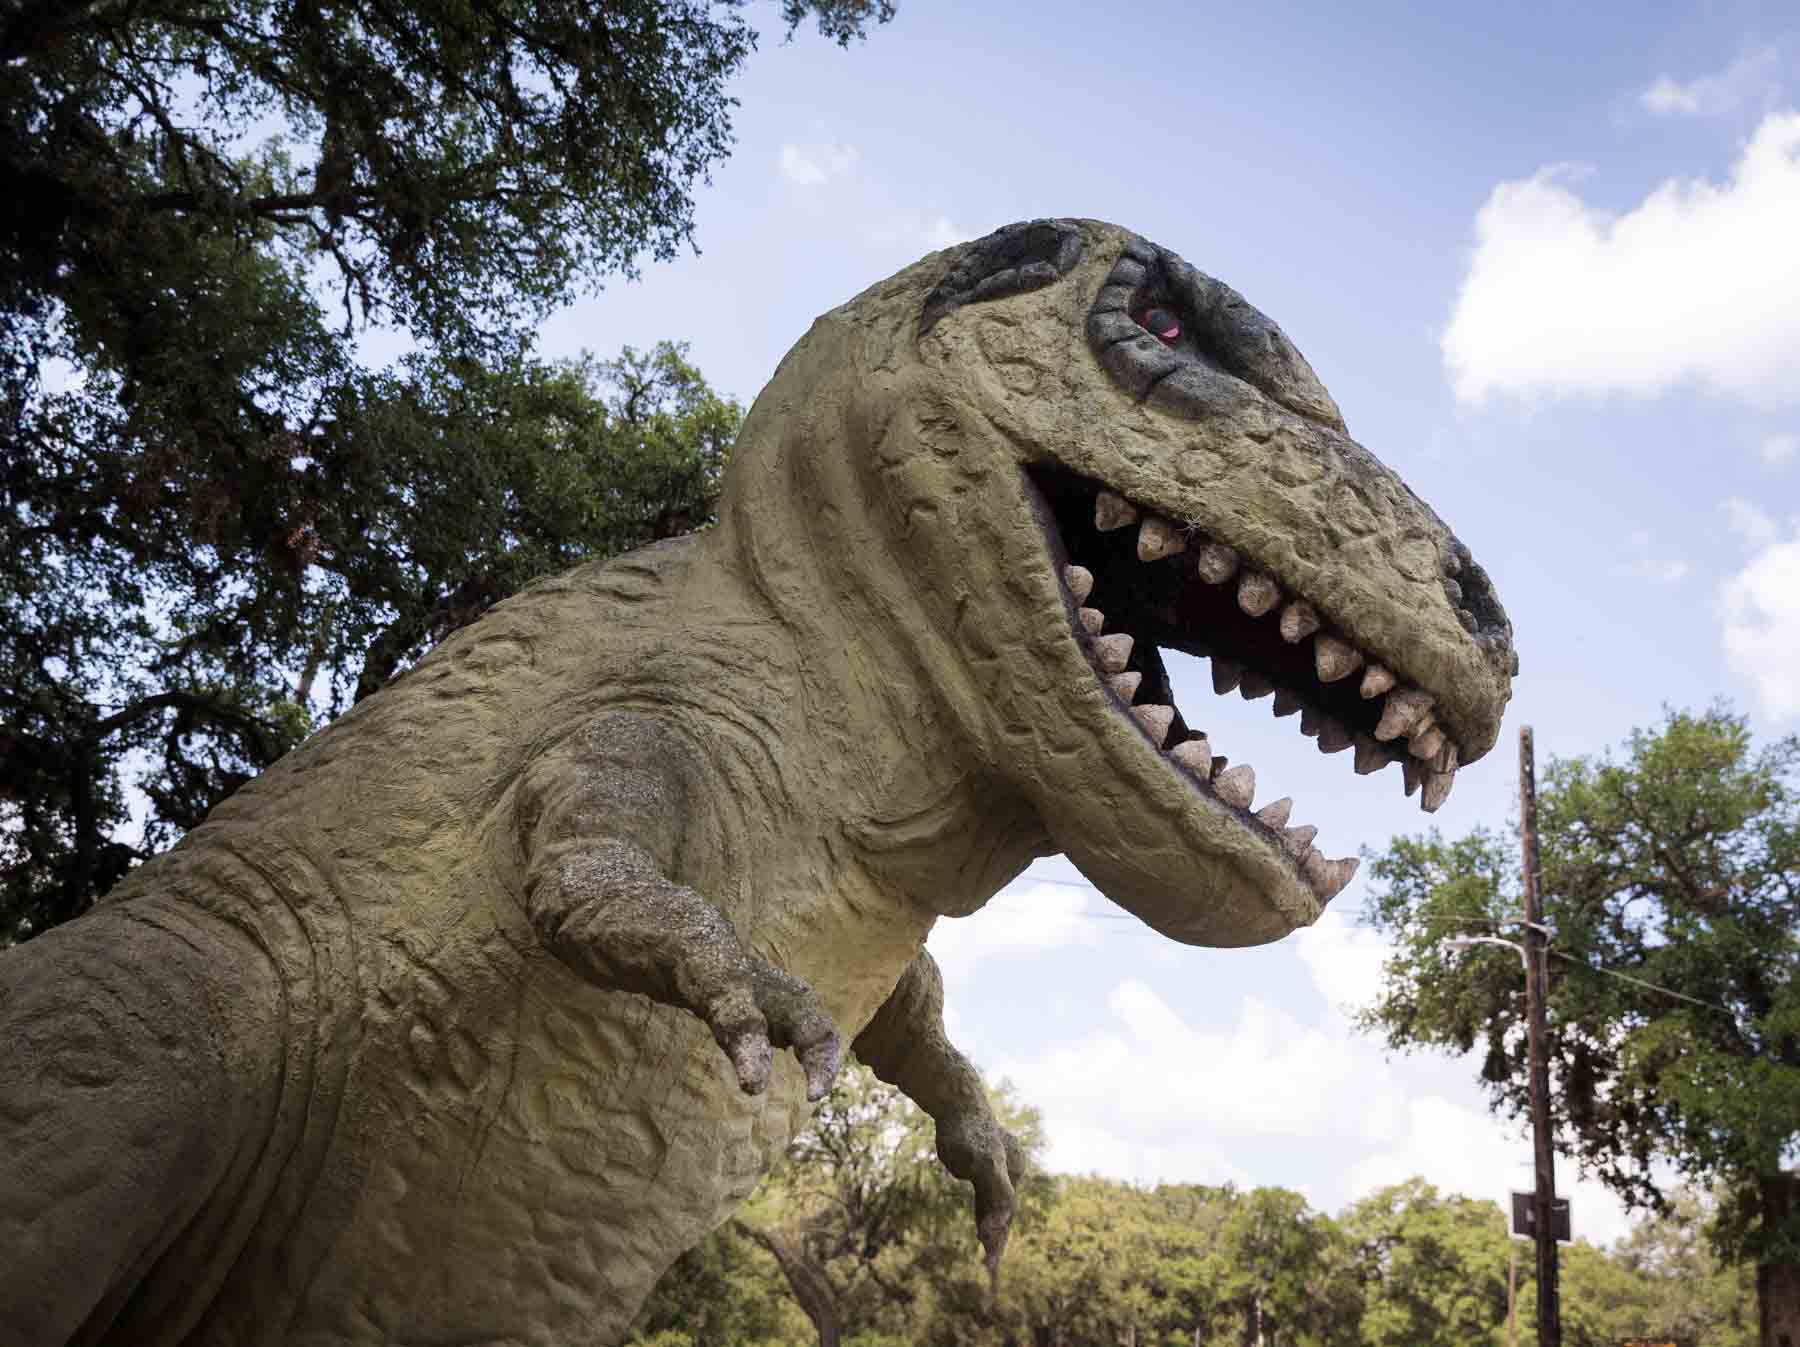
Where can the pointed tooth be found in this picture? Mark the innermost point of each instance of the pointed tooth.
(1215, 563)
(1312, 721)
(1334, 737)
(1376, 680)
(1254, 684)
(1328, 877)
(1194, 754)
(1370, 756)
(1257, 593)
(1126, 685)
(1298, 841)
(1236, 785)
(1226, 674)
(1335, 659)
(1113, 652)
(1113, 511)
(1445, 761)
(1404, 709)
(1412, 772)
(1155, 720)
(1437, 790)
(1158, 538)
(1080, 581)
(1298, 621)
(1091, 620)
(1286, 703)
(1425, 743)
(1276, 815)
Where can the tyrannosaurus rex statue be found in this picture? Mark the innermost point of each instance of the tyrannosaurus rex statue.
(458, 1024)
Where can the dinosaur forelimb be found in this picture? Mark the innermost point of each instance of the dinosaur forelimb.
(602, 824)
(905, 1045)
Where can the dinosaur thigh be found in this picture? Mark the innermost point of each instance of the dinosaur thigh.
(558, 1166)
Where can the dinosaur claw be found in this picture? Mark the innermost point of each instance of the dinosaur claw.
(798, 1020)
(821, 1062)
(752, 1056)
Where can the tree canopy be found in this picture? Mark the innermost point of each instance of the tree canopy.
(1670, 877)
(212, 504)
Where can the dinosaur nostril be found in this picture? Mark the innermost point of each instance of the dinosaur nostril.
(1471, 594)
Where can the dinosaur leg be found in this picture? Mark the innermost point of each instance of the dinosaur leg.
(906, 1046)
(130, 1090)
(605, 817)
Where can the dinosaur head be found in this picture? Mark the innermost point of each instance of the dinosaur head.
(1051, 453)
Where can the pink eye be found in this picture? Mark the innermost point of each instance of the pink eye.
(1161, 323)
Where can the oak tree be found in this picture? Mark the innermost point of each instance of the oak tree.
(1670, 876)
(211, 506)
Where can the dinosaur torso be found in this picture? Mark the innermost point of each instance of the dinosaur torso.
(489, 1141)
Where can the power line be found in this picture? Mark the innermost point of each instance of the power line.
(1627, 977)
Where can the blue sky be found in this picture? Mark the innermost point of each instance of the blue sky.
(1547, 261)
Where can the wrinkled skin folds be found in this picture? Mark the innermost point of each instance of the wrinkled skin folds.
(464, 1020)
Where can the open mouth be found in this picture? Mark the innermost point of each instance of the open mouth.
(1138, 582)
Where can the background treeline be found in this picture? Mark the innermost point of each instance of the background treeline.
(863, 1228)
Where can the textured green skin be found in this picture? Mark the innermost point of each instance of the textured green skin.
(314, 1076)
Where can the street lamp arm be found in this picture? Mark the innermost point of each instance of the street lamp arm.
(1463, 941)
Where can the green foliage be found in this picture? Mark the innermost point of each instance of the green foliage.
(1096, 1263)
(721, 1293)
(1436, 1267)
(1663, 1280)
(208, 499)
(868, 1227)
(1677, 866)
(457, 166)
(154, 615)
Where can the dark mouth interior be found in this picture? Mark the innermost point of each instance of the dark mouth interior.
(1138, 582)
(1161, 605)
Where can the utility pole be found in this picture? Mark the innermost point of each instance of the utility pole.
(1512, 1294)
(1537, 1050)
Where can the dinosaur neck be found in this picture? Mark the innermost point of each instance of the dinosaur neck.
(919, 810)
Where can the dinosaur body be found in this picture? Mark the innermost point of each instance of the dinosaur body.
(465, 1019)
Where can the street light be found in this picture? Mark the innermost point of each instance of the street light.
(1536, 1052)
(1464, 941)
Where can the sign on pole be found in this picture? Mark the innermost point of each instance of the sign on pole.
(1524, 1217)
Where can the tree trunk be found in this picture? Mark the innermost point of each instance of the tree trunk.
(315, 655)
(811, 1288)
(1778, 1284)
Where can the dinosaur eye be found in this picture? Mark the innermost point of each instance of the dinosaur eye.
(1159, 322)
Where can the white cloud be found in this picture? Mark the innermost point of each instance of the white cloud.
(811, 165)
(1645, 565)
(1752, 77)
(1750, 522)
(1759, 612)
(939, 232)
(1022, 919)
(1779, 449)
(904, 231)
(1148, 1097)
(1266, 1075)
(1344, 958)
(1470, 1151)
(1700, 282)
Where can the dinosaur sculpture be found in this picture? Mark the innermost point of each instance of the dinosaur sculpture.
(461, 1022)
